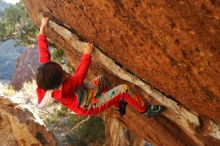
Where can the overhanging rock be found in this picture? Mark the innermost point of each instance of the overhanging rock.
(159, 47)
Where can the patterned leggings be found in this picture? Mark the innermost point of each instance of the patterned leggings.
(95, 97)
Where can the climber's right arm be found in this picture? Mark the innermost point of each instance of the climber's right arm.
(82, 69)
(44, 54)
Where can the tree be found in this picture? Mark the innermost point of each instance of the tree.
(16, 23)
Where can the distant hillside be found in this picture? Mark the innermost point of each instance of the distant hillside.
(4, 5)
(8, 56)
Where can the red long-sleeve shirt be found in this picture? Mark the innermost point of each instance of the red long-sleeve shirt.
(44, 54)
(66, 95)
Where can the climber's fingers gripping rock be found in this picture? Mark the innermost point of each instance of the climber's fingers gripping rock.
(44, 23)
(89, 48)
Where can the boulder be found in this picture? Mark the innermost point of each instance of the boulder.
(166, 50)
(20, 128)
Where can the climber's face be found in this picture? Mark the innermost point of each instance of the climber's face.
(50, 76)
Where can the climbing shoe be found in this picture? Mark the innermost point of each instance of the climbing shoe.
(154, 110)
(122, 107)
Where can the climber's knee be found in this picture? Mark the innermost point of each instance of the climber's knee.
(124, 87)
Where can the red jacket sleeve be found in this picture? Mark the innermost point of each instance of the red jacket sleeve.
(44, 54)
(81, 71)
(40, 94)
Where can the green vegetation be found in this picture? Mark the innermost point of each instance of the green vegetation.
(58, 56)
(56, 115)
(91, 131)
(15, 23)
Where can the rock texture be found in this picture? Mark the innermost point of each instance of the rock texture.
(26, 67)
(18, 128)
(117, 133)
(168, 49)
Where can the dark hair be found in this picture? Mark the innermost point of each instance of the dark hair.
(49, 76)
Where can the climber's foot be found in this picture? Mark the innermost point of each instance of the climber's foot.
(122, 107)
(154, 110)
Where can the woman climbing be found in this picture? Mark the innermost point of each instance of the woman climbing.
(83, 99)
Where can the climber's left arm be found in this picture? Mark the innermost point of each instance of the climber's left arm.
(43, 25)
(44, 54)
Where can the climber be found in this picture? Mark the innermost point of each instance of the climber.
(70, 90)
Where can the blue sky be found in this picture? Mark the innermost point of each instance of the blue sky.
(12, 1)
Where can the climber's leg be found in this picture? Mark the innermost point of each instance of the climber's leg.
(114, 96)
(97, 99)
(123, 95)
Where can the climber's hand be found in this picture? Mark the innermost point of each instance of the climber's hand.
(44, 23)
(89, 48)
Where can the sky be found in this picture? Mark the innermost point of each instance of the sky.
(11, 1)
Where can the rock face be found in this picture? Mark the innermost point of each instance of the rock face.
(19, 129)
(168, 49)
(117, 133)
(26, 67)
